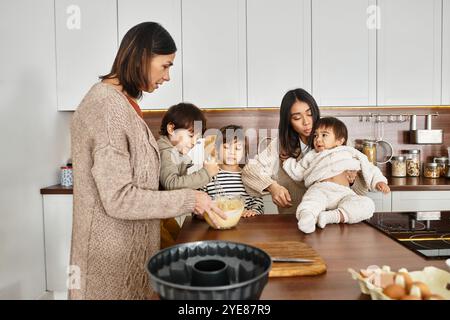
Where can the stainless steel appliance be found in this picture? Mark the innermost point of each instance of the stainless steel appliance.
(425, 233)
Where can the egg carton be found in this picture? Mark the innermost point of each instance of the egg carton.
(436, 279)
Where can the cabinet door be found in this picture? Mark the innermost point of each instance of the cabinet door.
(382, 201)
(269, 206)
(446, 54)
(420, 200)
(86, 45)
(409, 52)
(279, 49)
(168, 14)
(58, 235)
(214, 53)
(344, 52)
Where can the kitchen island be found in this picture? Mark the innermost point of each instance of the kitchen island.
(342, 246)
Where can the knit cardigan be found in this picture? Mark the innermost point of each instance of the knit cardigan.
(265, 169)
(116, 205)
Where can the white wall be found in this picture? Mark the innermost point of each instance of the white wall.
(34, 141)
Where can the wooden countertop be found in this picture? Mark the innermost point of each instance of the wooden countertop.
(341, 246)
(57, 189)
(396, 184)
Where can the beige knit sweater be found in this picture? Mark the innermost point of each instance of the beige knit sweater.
(117, 205)
(265, 169)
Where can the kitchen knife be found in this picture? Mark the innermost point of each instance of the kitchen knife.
(297, 260)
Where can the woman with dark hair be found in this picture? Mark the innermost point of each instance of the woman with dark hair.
(298, 114)
(117, 205)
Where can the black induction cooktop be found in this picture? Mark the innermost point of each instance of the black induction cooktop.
(427, 234)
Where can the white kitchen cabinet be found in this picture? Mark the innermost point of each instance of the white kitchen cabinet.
(278, 49)
(420, 200)
(409, 52)
(214, 53)
(344, 52)
(57, 233)
(446, 53)
(86, 45)
(168, 14)
(269, 206)
(383, 202)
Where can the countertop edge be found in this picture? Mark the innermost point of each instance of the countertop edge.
(57, 189)
(421, 184)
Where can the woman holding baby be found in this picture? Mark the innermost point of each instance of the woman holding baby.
(264, 174)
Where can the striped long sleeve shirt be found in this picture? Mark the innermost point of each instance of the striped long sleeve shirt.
(231, 183)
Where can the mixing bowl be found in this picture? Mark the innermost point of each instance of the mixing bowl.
(232, 206)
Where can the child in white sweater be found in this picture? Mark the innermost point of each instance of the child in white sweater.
(329, 198)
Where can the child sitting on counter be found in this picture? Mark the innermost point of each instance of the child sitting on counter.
(329, 198)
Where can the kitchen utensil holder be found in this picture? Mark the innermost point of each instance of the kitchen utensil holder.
(427, 135)
(416, 136)
(399, 117)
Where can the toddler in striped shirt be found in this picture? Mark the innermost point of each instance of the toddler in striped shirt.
(231, 150)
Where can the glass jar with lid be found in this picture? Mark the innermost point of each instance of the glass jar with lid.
(432, 170)
(442, 164)
(413, 164)
(370, 150)
(398, 166)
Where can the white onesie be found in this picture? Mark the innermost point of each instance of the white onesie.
(315, 167)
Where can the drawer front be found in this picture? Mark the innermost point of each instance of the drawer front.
(382, 201)
(420, 200)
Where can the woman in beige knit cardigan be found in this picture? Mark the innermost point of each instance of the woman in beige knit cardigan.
(264, 173)
(117, 205)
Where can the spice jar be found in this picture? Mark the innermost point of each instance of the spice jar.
(398, 166)
(432, 170)
(370, 150)
(66, 176)
(413, 163)
(442, 164)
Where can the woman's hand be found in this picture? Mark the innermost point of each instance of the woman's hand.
(351, 175)
(280, 195)
(203, 203)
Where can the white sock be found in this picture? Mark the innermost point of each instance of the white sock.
(307, 223)
(330, 216)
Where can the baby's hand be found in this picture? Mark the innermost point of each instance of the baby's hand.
(383, 187)
(249, 213)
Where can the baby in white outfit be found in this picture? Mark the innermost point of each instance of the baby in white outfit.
(329, 198)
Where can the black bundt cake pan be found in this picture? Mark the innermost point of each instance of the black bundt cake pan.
(207, 270)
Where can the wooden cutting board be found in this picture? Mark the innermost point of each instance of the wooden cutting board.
(292, 249)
